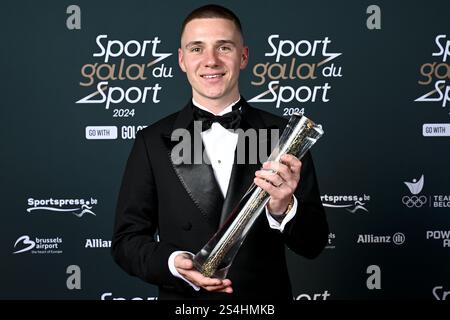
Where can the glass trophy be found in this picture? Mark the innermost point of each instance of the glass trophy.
(216, 257)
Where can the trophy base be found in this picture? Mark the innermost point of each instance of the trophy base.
(220, 273)
(215, 258)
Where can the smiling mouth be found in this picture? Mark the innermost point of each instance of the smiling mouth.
(212, 76)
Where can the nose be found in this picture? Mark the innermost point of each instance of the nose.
(211, 58)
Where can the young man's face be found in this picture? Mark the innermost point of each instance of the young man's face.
(212, 54)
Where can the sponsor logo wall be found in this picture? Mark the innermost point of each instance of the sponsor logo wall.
(81, 80)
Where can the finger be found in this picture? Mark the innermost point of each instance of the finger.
(287, 177)
(292, 162)
(268, 187)
(274, 167)
(183, 263)
(227, 282)
(216, 288)
(269, 176)
(221, 288)
(226, 289)
(277, 167)
(285, 191)
(289, 170)
(200, 282)
(203, 281)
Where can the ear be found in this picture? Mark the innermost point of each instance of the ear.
(244, 58)
(181, 60)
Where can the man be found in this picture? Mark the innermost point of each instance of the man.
(185, 203)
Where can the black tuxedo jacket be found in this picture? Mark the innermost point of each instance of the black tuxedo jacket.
(164, 207)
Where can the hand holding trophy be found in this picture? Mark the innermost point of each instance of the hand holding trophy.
(215, 258)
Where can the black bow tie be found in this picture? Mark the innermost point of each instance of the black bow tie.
(229, 120)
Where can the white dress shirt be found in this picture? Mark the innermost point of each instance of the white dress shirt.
(220, 145)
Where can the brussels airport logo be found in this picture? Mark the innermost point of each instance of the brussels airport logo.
(291, 62)
(38, 245)
(77, 207)
(331, 240)
(415, 200)
(351, 203)
(435, 74)
(115, 68)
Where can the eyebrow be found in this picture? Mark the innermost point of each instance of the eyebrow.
(218, 42)
(226, 42)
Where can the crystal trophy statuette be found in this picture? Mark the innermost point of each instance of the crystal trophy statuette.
(216, 257)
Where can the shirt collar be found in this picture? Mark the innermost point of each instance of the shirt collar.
(229, 108)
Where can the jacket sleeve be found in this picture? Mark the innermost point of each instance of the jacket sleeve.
(134, 243)
(307, 233)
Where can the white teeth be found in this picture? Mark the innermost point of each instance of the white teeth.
(212, 76)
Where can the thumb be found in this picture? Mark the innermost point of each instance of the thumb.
(183, 262)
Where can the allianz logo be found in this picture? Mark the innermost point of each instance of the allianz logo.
(397, 238)
(97, 243)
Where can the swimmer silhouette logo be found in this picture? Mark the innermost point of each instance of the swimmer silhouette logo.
(78, 207)
(351, 203)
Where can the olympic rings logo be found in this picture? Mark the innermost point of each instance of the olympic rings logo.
(414, 201)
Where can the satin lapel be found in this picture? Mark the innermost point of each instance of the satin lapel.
(241, 178)
(198, 179)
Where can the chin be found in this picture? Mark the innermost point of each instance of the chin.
(214, 96)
